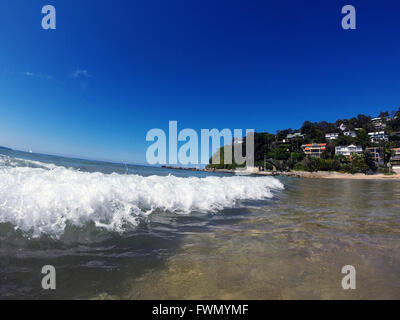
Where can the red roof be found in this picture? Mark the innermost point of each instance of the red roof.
(315, 144)
(322, 146)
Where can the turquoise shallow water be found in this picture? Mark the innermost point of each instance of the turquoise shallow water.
(133, 232)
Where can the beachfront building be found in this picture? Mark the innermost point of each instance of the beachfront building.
(314, 149)
(376, 153)
(296, 135)
(331, 136)
(349, 150)
(350, 134)
(395, 160)
(378, 136)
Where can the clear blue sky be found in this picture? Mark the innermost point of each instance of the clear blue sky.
(112, 70)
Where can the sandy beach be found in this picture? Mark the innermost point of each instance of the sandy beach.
(321, 175)
(338, 175)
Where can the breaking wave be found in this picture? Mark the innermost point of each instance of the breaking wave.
(42, 198)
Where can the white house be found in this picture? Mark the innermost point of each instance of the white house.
(296, 135)
(342, 127)
(349, 150)
(378, 136)
(331, 136)
(350, 134)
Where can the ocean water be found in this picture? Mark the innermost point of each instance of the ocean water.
(116, 231)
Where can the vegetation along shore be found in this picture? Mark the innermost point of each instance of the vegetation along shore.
(362, 147)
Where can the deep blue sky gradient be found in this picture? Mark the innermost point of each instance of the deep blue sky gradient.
(264, 65)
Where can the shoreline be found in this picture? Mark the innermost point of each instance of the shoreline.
(300, 174)
(318, 175)
(338, 175)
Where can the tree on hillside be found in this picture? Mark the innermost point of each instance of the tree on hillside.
(394, 123)
(362, 138)
(352, 124)
(263, 143)
(358, 164)
(365, 123)
(396, 113)
(369, 160)
(281, 134)
(343, 140)
(329, 151)
(312, 132)
(384, 114)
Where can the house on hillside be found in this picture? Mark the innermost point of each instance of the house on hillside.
(296, 135)
(347, 151)
(342, 127)
(350, 134)
(378, 136)
(376, 153)
(331, 136)
(314, 149)
(378, 123)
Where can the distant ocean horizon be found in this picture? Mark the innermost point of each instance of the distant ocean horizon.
(77, 157)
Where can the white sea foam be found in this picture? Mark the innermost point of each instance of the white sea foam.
(40, 200)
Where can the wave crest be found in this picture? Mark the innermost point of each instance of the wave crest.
(43, 201)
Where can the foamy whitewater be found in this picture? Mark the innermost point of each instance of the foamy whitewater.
(41, 198)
